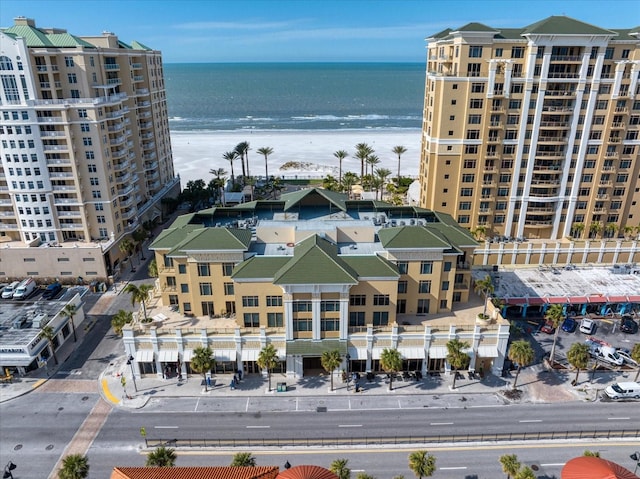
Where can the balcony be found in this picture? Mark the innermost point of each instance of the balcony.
(621, 109)
(124, 165)
(566, 58)
(150, 165)
(138, 78)
(552, 139)
(538, 223)
(557, 109)
(118, 153)
(560, 93)
(71, 226)
(118, 141)
(554, 124)
(59, 161)
(537, 210)
(618, 125)
(123, 178)
(116, 127)
(111, 67)
(566, 75)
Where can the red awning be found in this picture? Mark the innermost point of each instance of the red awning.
(586, 467)
(516, 301)
(597, 299)
(634, 299)
(577, 299)
(617, 299)
(556, 300)
(536, 301)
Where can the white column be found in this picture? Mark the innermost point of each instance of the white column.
(344, 316)
(508, 70)
(288, 317)
(315, 317)
(492, 78)
(634, 79)
(617, 79)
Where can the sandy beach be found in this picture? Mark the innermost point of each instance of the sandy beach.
(197, 152)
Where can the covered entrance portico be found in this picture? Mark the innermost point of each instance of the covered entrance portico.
(304, 356)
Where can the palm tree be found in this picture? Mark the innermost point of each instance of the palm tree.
(153, 268)
(265, 151)
(348, 180)
(510, 464)
(635, 355)
(69, 311)
(577, 229)
(202, 362)
(399, 150)
(340, 469)
(330, 183)
(74, 466)
(456, 357)
(610, 230)
(595, 229)
(372, 161)
(578, 357)
(242, 149)
(48, 334)
(525, 473)
(555, 315)
(382, 174)
(330, 361)
(119, 319)
(231, 156)
(126, 246)
(340, 155)
(362, 152)
(484, 286)
(521, 353)
(243, 459)
(480, 232)
(139, 295)
(422, 464)
(268, 359)
(161, 457)
(219, 182)
(628, 231)
(391, 363)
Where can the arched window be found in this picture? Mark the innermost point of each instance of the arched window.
(5, 63)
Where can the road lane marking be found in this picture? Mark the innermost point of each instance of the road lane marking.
(441, 423)
(195, 409)
(531, 420)
(458, 468)
(349, 425)
(165, 427)
(246, 408)
(258, 427)
(618, 418)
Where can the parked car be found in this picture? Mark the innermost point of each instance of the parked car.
(628, 325)
(587, 326)
(623, 390)
(52, 291)
(8, 291)
(569, 325)
(548, 328)
(626, 357)
(25, 289)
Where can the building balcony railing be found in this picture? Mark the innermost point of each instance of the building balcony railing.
(618, 125)
(461, 286)
(554, 124)
(609, 168)
(563, 75)
(71, 226)
(111, 66)
(552, 139)
(566, 58)
(59, 161)
(539, 210)
(615, 139)
(538, 223)
(557, 109)
(560, 93)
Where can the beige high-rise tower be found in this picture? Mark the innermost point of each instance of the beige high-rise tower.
(534, 132)
(85, 150)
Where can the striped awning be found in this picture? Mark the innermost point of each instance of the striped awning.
(225, 354)
(437, 352)
(168, 355)
(250, 354)
(412, 353)
(144, 355)
(488, 351)
(357, 353)
(187, 354)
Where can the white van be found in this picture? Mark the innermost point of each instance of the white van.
(25, 289)
(8, 291)
(623, 391)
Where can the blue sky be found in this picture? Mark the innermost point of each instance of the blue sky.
(300, 30)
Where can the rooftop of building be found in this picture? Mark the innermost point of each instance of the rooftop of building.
(567, 284)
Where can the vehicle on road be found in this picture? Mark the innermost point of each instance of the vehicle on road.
(587, 326)
(25, 289)
(569, 325)
(548, 328)
(626, 357)
(52, 290)
(628, 325)
(623, 390)
(8, 291)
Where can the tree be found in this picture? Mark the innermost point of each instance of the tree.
(510, 464)
(330, 183)
(161, 457)
(399, 150)
(139, 294)
(577, 229)
(610, 230)
(330, 361)
(555, 315)
(480, 232)
(382, 174)
(372, 161)
(243, 459)
(268, 359)
(391, 363)
(525, 473)
(153, 268)
(422, 464)
(588, 453)
(202, 362)
(340, 155)
(348, 180)
(340, 469)
(69, 311)
(456, 357)
(219, 183)
(578, 357)
(265, 151)
(127, 246)
(628, 231)
(48, 334)
(635, 355)
(521, 353)
(595, 229)
(231, 156)
(364, 475)
(242, 149)
(74, 466)
(362, 152)
(120, 319)
(484, 286)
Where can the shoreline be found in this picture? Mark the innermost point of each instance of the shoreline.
(196, 152)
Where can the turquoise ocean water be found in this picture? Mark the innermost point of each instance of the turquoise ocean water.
(294, 96)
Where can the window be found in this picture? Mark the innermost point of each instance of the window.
(516, 88)
(302, 324)
(608, 53)
(475, 119)
(227, 269)
(275, 320)
(68, 61)
(475, 103)
(466, 191)
(423, 306)
(473, 134)
(473, 69)
(468, 178)
(517, 52)
(358, 300)
(475, 51)
(184, 288)
(250, 301)
(356, 318)
(424, 287)
(445, 286)
(330, 305)
(447, 266)
(381, 300)
(301, 306)
(203, 269)
(426, 267)
(477, 88)
(465, 205)
(228, 289)
(515, 104)
(402, 287)
(329, 324)
(182, 268)
(380, 318)
(498, 52)
(274, 301)
(443, 304)
(205, 289)
(471, 149)
(403, 267)
(251, 320)
(469, 164)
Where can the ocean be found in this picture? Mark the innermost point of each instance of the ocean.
(294, 96)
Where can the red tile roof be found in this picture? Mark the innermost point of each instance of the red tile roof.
(258, 472)
(307, 472)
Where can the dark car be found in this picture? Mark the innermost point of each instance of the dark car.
(569, 325)
(628, 325)
(51, 291)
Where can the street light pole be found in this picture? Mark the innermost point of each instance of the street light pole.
(348, 358)
(133, 374)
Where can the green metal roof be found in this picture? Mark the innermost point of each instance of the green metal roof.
(442, 34)
(139, 46)
(307, 197)
(307, 347)
(215, 239)
(476, 27)
(562, 25)
(411, 237)
(168, 238)
(259, 267)
(315, 261)
(371, 266)
(37, 38)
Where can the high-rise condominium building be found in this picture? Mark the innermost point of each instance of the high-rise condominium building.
(85, 147)
(534, 132)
